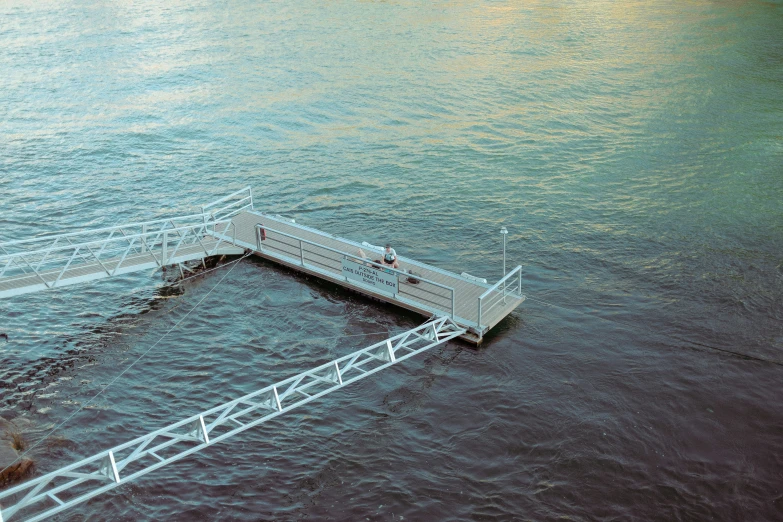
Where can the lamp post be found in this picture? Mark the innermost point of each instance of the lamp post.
(504, 232)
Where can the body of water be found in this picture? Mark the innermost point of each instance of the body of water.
(634, 150)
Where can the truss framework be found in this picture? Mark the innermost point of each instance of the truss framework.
(63, 262)
(45, 262)
(59, 490)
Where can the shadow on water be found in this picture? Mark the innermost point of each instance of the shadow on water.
(338, 293)
(22, 386)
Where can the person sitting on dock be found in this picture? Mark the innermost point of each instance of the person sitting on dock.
(390, 257)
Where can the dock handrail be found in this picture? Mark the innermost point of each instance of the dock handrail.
(303, 241)
(492, 293)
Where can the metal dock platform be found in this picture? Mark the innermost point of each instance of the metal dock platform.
(428, 290)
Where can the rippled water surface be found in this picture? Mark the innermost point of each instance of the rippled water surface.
(633, 149)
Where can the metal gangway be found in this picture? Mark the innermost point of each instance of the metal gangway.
(53, 261)
(45, 496)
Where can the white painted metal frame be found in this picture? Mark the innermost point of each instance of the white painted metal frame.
(363, 245)
(119, 251)
(54, 260)
(59, 490)
(498, 292)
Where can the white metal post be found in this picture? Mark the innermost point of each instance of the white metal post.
(504, 232)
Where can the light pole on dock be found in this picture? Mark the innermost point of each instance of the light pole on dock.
(504, 232)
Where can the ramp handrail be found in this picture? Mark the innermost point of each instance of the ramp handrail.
(156, 233)
(489, 299)
(193, 218)
(108, 469)
(48, 266)
(231, 209)
(302, 261)
(204, 216)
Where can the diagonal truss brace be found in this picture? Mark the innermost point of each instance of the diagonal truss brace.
(59, 490)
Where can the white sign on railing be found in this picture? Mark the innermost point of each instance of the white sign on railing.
(378, 279)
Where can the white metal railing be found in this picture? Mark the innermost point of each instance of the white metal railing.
(423, 291)
(9, 247)
(111, 250)
(59, 490)
(229, 206)
(53, 260)
(510, 285)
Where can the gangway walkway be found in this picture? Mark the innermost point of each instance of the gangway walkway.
(45, 496)
(40, 263)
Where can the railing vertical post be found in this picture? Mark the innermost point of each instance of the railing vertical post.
(250, 190)
(143, 239)
(519, 274)
(479, 315)
(452, 304)
(165, 247)
(301, 252)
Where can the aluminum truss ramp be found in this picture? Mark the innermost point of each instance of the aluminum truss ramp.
(54, 492)
(41, 263)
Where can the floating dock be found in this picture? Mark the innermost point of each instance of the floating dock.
(415, 286)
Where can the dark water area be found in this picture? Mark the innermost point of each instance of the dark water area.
(633, 149)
